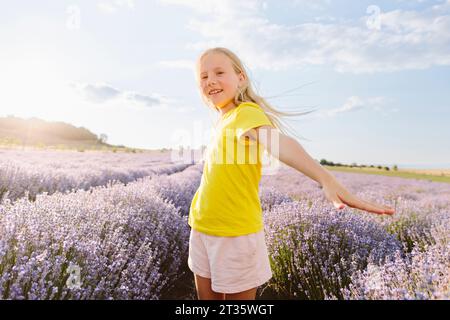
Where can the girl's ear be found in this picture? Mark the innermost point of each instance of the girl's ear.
(241, 76)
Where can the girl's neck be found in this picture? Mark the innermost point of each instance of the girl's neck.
(227, 108)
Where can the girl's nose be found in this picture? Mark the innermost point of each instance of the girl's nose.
(211, 81)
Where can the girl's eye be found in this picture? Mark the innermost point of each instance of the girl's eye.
(204, 77)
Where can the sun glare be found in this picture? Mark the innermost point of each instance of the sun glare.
(32, 86)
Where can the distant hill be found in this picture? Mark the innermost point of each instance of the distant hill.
(37, 132)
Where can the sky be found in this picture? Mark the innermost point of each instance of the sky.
(376, 72)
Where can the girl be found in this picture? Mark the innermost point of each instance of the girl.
(227, 249)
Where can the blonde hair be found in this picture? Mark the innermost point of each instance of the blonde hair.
(248, 94)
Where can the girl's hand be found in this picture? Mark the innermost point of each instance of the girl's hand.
(340, 197)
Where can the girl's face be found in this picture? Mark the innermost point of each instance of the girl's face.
(216, 73)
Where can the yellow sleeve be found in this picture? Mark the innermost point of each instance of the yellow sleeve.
(249, 117)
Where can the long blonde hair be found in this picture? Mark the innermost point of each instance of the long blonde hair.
(248, 94)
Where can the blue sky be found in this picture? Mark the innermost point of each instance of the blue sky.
(378, 71)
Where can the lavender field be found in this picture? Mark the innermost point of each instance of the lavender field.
(114, 226)
(320, 253)
(32, 172)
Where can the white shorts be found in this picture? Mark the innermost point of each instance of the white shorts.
(234, 264)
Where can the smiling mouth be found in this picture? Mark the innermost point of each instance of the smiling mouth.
(212, 94)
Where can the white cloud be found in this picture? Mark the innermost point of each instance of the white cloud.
(141, 99)
(411, 1)
(352, 103)
(101, 93)
(97, 93)
(405, 40)
(220, 7)
(355, 103)
(113, 6)
(311, 5)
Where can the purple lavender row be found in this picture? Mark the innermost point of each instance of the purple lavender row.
(111, 242)
(28, 173)
(319, 253)
(422, 271)
(422, 275)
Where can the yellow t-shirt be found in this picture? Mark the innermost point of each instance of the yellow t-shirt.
(227, 201)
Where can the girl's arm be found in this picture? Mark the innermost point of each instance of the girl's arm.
(290, 152)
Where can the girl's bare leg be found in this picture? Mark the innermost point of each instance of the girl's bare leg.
(204, 290)
(244, 295)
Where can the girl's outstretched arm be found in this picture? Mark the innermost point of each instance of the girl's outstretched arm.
(290, 152)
